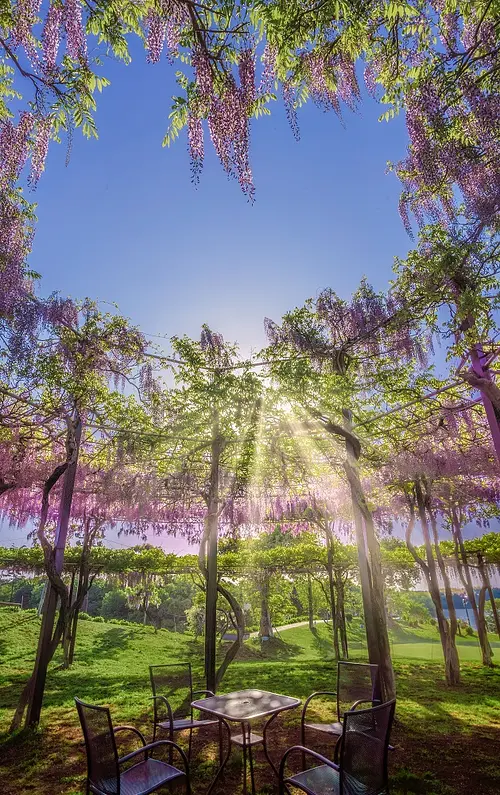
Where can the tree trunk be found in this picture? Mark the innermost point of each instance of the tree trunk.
(465, 576)
(310, 608)
(210, 571)
(452, 613)
(66, 639)
(365, 579)
(341, 615)
(331, 587)
(482, 626)
(266, 626)
(84, 585)
(480, 378)
(46, 646)
(211, 603)
(451, 661)
(239, 624)
(372, 581)
(487, 583)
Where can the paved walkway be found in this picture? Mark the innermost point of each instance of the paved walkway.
(289, 626)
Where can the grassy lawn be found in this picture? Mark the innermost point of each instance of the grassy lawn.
(406, 642)
(447, 739)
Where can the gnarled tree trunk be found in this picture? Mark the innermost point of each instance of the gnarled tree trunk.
(32, 695)
(239, 624)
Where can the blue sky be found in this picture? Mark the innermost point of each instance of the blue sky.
(123, 222)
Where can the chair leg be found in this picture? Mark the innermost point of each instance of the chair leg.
(170, 749)
(190, 744)
(303, 742)
(221, 749)
(250, 760)
(188, 783)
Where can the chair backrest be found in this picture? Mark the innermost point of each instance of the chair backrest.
(102, 756)
(363, 753)
(357, 682)
(175, 682)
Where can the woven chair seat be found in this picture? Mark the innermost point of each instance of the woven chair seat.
(320, 780)
(186, 723)
(147, 777)
(328, 728)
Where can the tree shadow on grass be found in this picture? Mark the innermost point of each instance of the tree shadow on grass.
(111, 643)
(324, 646)
(269, 650)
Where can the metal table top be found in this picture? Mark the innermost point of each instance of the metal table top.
(245, 705)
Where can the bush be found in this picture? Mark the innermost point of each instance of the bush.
(97, 619)
(115, 605)
(84, 617)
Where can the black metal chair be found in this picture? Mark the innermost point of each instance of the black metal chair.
(362, 770)
(357, 683)
(104, 776)
(172, 686)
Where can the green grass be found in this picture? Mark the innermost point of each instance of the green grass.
(445, 738)
(421, 643)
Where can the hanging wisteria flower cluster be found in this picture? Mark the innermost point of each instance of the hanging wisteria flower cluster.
(227, 107)
(454, 142)
(434, 59)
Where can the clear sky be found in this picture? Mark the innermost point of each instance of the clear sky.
(122, 222)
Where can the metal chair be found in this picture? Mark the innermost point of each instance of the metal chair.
(357, 683)
(104, 776)
(172, 686)
(363, 758)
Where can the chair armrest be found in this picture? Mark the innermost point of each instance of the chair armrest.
(130, 729)
(169, 709)
(314, 695)
(147, 748)
(372, 701)
(303, 750)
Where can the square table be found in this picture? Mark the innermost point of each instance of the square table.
(243, 707)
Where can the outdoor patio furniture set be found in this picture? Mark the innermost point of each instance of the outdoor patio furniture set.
(361, 736)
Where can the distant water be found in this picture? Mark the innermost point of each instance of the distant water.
(462, 613)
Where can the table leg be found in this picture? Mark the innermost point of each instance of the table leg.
(222, 764)
(244, 749)
(264, 743)
(250, 759)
